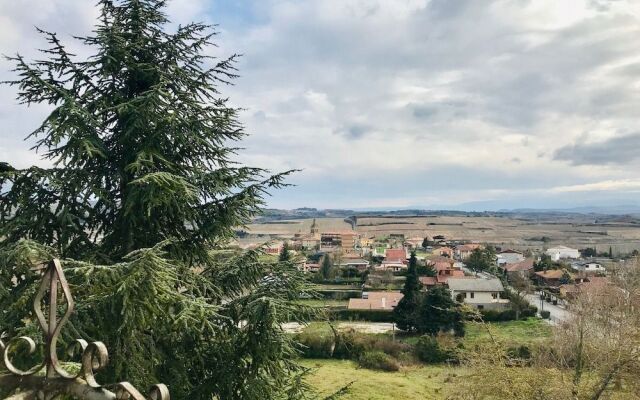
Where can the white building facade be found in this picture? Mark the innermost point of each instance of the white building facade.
(562, 252)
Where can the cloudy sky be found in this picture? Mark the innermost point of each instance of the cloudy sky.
(466, 104)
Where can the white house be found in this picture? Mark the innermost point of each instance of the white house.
(559, 252)
(358, 263)
(589, 268)
(479, 293)
(509, 257)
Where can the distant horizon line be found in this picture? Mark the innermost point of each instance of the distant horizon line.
(582, 209)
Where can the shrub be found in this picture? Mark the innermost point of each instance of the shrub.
(522, 352)
(428, 350)
(362, 315)
(529, 312)
(315, 346)
(545, 314)
(341, 294)
(507, 315)
(349, 345)
(387, 346)
(378, 360)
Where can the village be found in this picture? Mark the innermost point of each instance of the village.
(356, 272)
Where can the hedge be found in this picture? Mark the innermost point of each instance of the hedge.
(340, 294)
(361, 315)
(378, 360)
(507, 315)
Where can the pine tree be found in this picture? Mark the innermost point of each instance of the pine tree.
(438, 312)
(326, 268)
(142, 197)
(285, 255)
(405, 313)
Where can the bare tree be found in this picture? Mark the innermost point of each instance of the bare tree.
(594, 355)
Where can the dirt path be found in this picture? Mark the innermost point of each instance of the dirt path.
(363, 327)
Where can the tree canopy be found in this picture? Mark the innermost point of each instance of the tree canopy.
(405, 311)
(438, 312)
(142, 196)
(480, 259)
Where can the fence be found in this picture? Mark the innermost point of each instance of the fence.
(49, 379)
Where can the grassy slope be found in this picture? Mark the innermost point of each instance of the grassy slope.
(415, 382)
(530, 331)
(411, 383)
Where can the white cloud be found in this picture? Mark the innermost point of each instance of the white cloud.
(436, 101)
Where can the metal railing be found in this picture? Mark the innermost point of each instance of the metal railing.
(49, 379)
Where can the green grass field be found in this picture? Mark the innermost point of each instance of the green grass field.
(530, 331)
(324, 303)
(411, 383)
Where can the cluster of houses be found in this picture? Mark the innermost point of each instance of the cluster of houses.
(475, 291)
(447, 258)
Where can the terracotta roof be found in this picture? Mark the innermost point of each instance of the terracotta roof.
(510, 251)
(428, 280)
(551, 273)
(525, 265)
(395, 255)
(435, 259)
(441, 265)
(443, 278)
(376, 301)
(594, 282)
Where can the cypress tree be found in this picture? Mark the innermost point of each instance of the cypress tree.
(326, 268)
(141, 200)
(284, 253)
(405, 313)
(438, 312)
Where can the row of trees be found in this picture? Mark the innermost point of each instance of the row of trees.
(140, 200)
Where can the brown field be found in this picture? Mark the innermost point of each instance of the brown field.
(520, 233)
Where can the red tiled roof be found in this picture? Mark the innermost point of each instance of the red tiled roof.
(441, 265)
(525, 265)
(593, 282)
(395, 255)
(443, 278)
(436, 259)
(428, 280)
(374, 301)
(510, 251)
(551, 274)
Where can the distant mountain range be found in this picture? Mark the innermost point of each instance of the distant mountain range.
(603, 210)
(307, 212)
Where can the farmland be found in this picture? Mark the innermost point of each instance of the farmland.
(533, 232)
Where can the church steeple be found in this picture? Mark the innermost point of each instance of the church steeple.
(314, 228)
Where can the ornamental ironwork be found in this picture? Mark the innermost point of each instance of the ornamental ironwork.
(48, 380)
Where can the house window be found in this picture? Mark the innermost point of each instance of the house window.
(480, 307)
(494, 295)
(472, 295)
